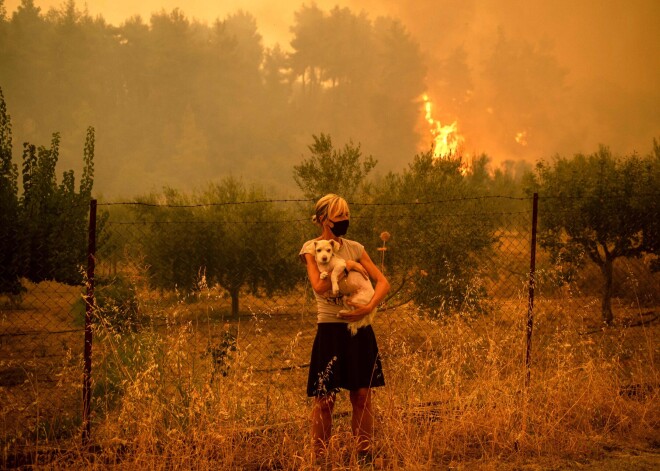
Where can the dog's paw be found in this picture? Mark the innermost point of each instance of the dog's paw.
(324, 275)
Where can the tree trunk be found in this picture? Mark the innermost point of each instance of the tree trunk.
(234, 302)
(606, 269)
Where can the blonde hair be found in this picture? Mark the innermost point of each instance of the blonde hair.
(328, 207)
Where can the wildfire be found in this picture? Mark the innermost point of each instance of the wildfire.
(446, 139)
(521, 138)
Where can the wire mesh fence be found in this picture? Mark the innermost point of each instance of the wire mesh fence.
(212, 300)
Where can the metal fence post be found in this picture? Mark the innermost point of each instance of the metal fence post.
(532, 285)
(89, 307)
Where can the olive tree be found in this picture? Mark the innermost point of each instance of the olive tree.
(329, 170)
(598, 208)
(439, 233)
(226, 233)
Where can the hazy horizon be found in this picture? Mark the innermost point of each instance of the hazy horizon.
(523, 80)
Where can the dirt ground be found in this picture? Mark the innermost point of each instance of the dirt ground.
(616, 460)
(622, 461)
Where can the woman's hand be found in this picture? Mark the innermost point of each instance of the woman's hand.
(356, 266)
(358, 313)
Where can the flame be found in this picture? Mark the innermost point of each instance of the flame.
(446, 139)
(521, 138)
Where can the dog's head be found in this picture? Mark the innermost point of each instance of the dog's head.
(324, 250)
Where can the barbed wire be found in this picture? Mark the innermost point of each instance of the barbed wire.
(39, 332)
(355, 203)
(358, 203)
(201, 205)
(305, 220)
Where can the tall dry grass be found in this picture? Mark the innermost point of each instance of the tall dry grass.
(455, 391)
(190, 388)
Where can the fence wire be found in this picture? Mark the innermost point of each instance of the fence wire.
(194, 295)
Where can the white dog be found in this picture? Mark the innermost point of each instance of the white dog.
(357, 289)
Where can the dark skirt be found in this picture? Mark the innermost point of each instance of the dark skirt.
(343, 361)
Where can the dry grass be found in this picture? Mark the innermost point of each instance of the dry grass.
(195, 390)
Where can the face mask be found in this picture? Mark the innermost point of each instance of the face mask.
(339, 228)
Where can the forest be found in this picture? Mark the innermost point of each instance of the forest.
(177, 102)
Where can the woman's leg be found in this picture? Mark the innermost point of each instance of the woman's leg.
(322, 421)
(363, 418)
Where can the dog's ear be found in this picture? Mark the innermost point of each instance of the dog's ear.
(335, 245)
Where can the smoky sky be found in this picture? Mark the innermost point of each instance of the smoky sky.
(562, 76)
(608, 53)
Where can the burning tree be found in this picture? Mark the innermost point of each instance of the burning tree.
(446, 139)
(599, 208)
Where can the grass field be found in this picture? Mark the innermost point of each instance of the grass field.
(193, 388)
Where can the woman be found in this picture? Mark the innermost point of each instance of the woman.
(340, 360)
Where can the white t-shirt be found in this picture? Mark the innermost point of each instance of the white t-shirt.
(329, 308)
